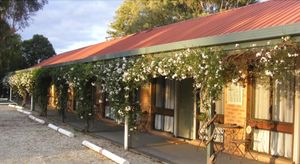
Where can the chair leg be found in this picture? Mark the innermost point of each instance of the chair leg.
(251, 155)
(237, 147)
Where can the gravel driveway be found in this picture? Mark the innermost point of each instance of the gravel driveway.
(25, 141)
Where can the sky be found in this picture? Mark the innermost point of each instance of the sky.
(71, 24)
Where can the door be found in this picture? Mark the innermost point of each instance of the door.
(185, 109)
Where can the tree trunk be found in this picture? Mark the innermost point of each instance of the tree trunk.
(24, 100)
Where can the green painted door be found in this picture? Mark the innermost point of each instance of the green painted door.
(185, 109)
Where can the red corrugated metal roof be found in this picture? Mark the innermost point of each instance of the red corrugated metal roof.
(252, 17)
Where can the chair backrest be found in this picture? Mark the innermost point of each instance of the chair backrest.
(248, 129)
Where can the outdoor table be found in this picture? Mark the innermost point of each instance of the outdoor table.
(230, 131)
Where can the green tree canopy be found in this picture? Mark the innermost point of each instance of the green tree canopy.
(37, 49)
(10, 54)
(138, 15)
(16, 13)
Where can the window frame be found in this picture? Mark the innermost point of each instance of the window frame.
(284, 127)
(263, 124)
(160, 110)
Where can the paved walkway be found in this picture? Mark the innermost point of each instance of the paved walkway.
(152, 145)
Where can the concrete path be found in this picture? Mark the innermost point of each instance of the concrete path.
(152, 145)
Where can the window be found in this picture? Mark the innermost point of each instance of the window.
(164, 104)
(274, 103)
(164, 123)
(274, 143)
(165, 93)
(272, 115)
(235, 94)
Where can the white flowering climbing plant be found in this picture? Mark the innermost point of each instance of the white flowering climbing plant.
(276, 62)
(210, 68)
(204, 66)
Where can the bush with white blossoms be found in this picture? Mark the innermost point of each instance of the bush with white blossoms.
(22, 82)
(211, 69)
(205, 66)
(276, 63)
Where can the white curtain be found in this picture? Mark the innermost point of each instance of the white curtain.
(170, 94)
(283, 103)
(219, 132)
(261, 140)
(220, 105)
(168, 123)
(281, 144)
(109, 113)
(262, 101)
(158, 122)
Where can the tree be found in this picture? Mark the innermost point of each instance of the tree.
(138, 15)
(16, 13)
(37, 49)
(10, 57)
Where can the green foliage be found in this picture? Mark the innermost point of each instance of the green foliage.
(16, 13)
(138, 15)
(10, 54)
(276, 62)
(42, 83)
(205, 66)
(23, 81)
(119, 78)
(61, 87)
(37, 49)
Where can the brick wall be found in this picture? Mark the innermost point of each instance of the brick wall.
(234, 114)
(145, 100)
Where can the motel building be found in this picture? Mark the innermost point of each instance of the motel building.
(267, 117)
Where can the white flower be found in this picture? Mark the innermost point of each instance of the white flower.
(160, 71)
(90, 114)
(174, 76)
(127, 108)
(268, 73)
(258, 54)
(268, 54)
(263, 59)
(198, 85)
(235, 80)
(119, 70)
